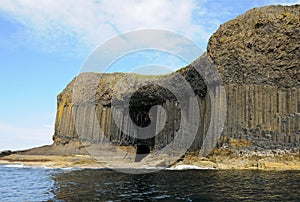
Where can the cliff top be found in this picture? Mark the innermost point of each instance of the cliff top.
(99, 88)
(261, 46)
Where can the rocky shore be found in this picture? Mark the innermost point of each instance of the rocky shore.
(220, 159)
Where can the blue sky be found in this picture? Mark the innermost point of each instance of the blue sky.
(43, 44)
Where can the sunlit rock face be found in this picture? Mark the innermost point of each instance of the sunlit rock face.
(88, 116)
(258, 58)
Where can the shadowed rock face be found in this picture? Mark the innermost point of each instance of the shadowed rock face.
(257, 55)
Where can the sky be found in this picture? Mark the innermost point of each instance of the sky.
(44, 43)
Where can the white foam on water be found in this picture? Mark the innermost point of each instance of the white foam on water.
(188, 167)
(153, 168)
(20, 165)
(13, 165)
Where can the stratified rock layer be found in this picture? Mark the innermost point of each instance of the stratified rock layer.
(257, 56)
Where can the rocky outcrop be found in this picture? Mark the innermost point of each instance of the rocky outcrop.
(259, 47)
(257, 56)
(6, 153)
(87, 114)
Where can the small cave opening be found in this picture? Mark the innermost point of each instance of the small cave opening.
(141, 152)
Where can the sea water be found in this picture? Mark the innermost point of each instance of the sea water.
(19, 183)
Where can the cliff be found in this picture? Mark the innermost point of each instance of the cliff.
(257, 56)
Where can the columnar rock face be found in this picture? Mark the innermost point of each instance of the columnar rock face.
(258, 58)
(85, 110)
(266, 116)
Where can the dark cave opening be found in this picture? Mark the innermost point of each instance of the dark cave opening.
(139, 110)
(141, 152)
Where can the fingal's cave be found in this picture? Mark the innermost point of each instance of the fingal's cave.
(257, 56)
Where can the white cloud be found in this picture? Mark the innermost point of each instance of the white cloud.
(14, 137)
(86, 24)
(284, 2)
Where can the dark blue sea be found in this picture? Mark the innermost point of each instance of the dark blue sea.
(18, 183)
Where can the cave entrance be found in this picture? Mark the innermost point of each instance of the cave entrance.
(141, 152)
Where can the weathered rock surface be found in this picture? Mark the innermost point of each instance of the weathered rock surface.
(85, 113)
(257, 55)
(259, 47)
